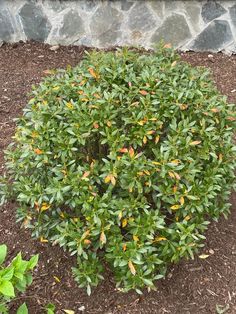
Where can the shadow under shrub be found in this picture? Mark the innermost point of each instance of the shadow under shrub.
(124, 159)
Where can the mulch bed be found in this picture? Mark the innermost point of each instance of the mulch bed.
(194, 287)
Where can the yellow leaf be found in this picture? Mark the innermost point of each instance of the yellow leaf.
(132, 268)
(187, 217)
(120, 215)
(69, 105)
(153, 119)
(150, 132)
(175, 161)
(109, 124)
(124, 223)
(103, 238)
(147, 172)
(144, 140)
(171, 174)
(220, 157)
(195, 143)
(45, 206)
(174, 63)
(56, 279)
(156, 163)
(135, 238)
(174, 207)
(107, 179)
(181, 200)
(42, 240)
(56, 88)
(158, 239)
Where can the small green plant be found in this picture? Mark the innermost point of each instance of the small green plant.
(123, 159)
(14, 277)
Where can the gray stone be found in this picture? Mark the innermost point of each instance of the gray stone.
(35, 23)
(157, 7)
(193, 14)
(72, 25)
(174, 30)
(140, 18)
(213, 37)
(232, 13)
(105, 24)
(126, 5)
(211, 10)
(88, 5)
(173, 5)
(6, 28)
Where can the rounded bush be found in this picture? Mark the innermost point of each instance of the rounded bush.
(123, 160)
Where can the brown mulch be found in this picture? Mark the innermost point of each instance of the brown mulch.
(194, 287)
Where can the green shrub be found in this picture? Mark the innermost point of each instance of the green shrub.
(15, 276)
(123, 159)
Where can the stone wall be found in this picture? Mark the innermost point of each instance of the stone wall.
(188, 25)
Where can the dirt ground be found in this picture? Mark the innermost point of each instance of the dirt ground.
(200, 286)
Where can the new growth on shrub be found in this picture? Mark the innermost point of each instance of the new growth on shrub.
(123, 159)
(14, 277)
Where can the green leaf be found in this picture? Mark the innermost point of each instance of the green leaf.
(7, 289)
(22, 309)
(50, 308)
(33, 262)
(3, 253)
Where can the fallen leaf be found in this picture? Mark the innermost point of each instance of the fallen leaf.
(132, 268)
(42, 240)
(144, 140)
(56, 279)
(195, 143)
(203, 256)
(69, 311)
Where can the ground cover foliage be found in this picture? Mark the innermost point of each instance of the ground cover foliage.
(123, 160)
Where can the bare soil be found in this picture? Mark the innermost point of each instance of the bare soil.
(193, 287)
